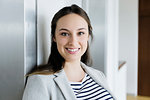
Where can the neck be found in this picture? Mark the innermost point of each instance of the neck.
(72, 65)
(74, 71)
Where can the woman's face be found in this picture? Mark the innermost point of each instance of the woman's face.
(71, 37)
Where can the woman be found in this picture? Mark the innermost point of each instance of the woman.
(67, 76)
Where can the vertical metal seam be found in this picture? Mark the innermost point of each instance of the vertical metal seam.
(36, 31)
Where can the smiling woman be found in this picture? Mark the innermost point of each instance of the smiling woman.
(71, 37)
(67, 76)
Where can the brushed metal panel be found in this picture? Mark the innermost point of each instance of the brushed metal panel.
(30, 23)
(13, 46)
(98, 22)
(11, 49)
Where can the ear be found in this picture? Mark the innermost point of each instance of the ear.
(54, 39)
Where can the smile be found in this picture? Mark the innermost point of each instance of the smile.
(72, 50)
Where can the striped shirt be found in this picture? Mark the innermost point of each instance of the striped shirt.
(88, 89)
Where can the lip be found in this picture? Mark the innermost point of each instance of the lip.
(72, 50)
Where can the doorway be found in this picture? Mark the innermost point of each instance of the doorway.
(144, 48)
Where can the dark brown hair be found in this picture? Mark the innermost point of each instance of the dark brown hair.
(55, 60)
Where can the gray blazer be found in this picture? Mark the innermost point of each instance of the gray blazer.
(56, 86)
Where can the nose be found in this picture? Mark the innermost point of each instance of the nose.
(73, 40)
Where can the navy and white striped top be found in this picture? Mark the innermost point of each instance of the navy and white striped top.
(88, 89)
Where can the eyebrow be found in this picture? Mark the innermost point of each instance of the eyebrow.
(68, 30)
(82, 29)
(63, 29)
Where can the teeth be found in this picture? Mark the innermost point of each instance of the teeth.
(72, 50)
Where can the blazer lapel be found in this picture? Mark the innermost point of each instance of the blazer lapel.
(64, 85)
(99, 78)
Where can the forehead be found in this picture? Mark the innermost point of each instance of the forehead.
(72, 21)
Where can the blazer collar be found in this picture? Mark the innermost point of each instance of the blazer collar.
(63, 84)
(95, 75)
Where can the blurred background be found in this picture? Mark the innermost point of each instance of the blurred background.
(121, 46)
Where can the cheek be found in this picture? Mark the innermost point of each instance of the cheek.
(59, 47)
(84, 43)
(60, 42)
(84, 40)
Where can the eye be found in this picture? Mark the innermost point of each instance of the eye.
(64, 34)
(81, 33)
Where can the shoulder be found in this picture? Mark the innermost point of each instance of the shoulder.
(39, 79)
(36, 83)
(93, 70)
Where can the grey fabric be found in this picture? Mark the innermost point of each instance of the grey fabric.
(56, 86)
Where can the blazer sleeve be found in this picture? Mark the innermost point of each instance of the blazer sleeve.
(35, 89)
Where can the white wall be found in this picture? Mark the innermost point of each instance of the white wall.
(111, 43)
(128, 41)
(121, 83)
(70, 2)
